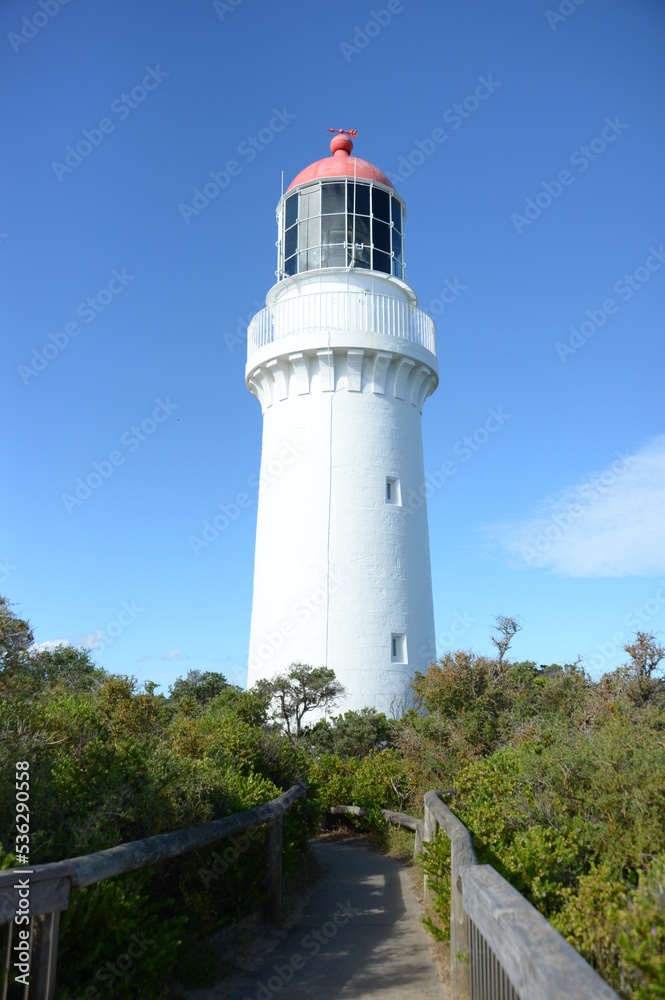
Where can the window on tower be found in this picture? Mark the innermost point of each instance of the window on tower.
(341, 223)
(393, 494)
(398, 648)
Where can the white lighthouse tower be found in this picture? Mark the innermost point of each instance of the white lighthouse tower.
(342, 361)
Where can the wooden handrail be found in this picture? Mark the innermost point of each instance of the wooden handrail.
(538, 961)
(91, 868)
(50, 884)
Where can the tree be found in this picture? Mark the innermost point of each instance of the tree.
(354, 734)
(645, 655)
(15, 637)
(203, 686)
(26, 670)
(453, 684)
(300, 690)
(507, 629)
(636, 676)
(69, 664)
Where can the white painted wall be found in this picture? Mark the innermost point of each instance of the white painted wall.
(337, 569)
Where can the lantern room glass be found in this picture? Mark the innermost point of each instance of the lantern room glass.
(341, 223)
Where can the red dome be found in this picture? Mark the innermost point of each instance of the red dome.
(340, 164)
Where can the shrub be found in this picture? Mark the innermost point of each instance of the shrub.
(642, 939)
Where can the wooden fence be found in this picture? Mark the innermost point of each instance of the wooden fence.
(49, 885)
(501, 947)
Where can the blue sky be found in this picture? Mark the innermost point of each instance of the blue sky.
(535, 235)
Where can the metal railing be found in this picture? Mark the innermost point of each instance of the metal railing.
(345, 310)
(50, 884)
(501, 947)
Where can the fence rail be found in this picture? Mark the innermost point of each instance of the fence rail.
(50, 884)
(501, 947)
(341, 310)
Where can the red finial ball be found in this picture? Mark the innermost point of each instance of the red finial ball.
(341, 143)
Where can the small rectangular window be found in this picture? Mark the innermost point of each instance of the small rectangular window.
(310, 202)
(359, 256)
(360, 230)
(393, 494)
(333, 256)
(398, 648)
(290, 241)
(333, 198)
(310, 234)
(361, 198)
(380, 204)
(310, 260)
(381, 231)
(291, 210)
(381, 262)
(333, 229)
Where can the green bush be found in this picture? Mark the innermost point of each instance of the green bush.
(642, 938)
(116, 942)
(435, 864)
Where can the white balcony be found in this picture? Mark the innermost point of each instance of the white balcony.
(342, 310)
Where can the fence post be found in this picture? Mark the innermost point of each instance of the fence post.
(431, 825)
(459, 921)
(418, 842)
(429, 832)
(274, 840)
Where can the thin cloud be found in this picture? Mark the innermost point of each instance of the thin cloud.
(145, 658)
(610, 524)
(48, 644)
(174, 654)
(91, 640)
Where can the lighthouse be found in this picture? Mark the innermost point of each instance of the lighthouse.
(342, 360)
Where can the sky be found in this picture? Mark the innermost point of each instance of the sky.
(527, 140)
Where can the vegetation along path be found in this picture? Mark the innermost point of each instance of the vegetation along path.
(359, 935)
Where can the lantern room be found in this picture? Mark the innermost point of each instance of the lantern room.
(341, 212)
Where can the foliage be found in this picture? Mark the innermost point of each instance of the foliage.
(353, 734)
(435, 863)
(130, 950)
(507, 628)
(589, 919)
(561, 781)
(202, 686)
(15, 638)
(645, 655)
(300, 690)
(642, 937)
(377, 781)
(113, 761)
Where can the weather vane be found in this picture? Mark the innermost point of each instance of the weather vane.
(345, 131)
